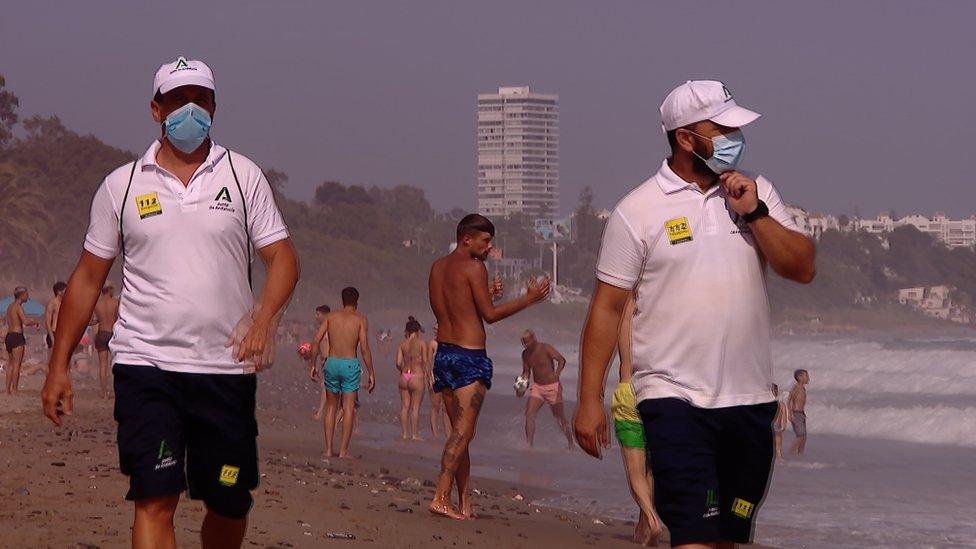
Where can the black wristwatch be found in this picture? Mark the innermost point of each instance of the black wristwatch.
(762, 210)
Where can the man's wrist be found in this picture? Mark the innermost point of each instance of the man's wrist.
(587, 396)
(761, 210)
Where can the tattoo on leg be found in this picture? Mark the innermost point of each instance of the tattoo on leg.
(452, 453)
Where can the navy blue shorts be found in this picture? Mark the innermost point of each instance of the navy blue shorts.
(196, 431)
(456, 367)
(711, 467)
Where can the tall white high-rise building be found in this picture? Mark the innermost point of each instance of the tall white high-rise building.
(518, 153)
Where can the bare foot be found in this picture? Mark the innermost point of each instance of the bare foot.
(416, 438)
(344, 455)
(403, 437)
(467, 509)
(648, 530)
(655, 529)
(445, 510)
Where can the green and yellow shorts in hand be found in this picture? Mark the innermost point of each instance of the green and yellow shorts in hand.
(626, 420)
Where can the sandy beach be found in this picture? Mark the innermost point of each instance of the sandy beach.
(62, 488)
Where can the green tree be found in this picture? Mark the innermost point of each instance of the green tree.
(8, 113)
(276, 179)
(23, 220)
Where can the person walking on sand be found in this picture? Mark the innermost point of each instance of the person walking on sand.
(692, 245)
(411, 358)
(15, 342)
(630, 434)
(323, 351)
(186, 217)
(797, 405)
(779, 421)
(437, 413)
(51, 315)
(537, 362)
(461, 299)
(106, 314)
(348, 333)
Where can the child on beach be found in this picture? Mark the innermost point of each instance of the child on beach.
(630, 433)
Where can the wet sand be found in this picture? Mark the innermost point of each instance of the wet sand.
(62, 488)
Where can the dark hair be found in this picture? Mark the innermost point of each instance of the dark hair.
(323, 309)
(158, 97)
(775, 387)
(673, 139)
(59, 287)
(350, 296)
(473, 224)
(798, 373)
(413, 326)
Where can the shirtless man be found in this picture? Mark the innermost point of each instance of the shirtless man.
(323, 351)
(348, 332)
(537, 360)
(51, 315)
(462, 302)
(106, 313)
(15, 342)
(797, 403)
(436, 401)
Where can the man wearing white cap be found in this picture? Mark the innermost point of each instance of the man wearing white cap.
(186, 218)
(692, 244)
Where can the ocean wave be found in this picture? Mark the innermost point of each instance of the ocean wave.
(928, 425)
(870, 367)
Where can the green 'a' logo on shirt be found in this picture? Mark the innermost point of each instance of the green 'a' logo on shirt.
(164, 450)
(223, 195)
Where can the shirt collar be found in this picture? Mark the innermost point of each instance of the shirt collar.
(213, 157)
(671, 182)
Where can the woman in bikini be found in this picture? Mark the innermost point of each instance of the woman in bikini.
(411, 357)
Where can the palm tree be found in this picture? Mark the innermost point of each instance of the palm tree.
(23, 219)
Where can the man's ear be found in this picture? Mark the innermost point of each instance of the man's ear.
(685, 140)
(157, 111)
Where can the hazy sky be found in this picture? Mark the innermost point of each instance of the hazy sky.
(867, 104)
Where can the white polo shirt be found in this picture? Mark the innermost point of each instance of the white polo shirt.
(701, 325)
(185, 271)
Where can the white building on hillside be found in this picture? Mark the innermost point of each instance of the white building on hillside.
(813, 225)
(880, 225)
(951, 232)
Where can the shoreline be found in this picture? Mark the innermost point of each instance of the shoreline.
(63, 488)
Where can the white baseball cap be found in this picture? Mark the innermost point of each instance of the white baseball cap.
(183, 72)
(698, 100)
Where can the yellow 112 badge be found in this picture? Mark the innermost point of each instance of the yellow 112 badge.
(679, 230)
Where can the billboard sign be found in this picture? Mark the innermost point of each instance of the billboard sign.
(553, 230)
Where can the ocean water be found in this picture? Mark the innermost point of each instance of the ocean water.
(891, 458)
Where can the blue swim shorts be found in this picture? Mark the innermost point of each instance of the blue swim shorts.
(456, 367)
(341, 375)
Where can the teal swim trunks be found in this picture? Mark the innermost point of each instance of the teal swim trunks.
(341, 375)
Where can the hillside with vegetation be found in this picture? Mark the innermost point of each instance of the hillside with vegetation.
(382, 239)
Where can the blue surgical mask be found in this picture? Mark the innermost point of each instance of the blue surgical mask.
(187, 127)
(726, 151)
